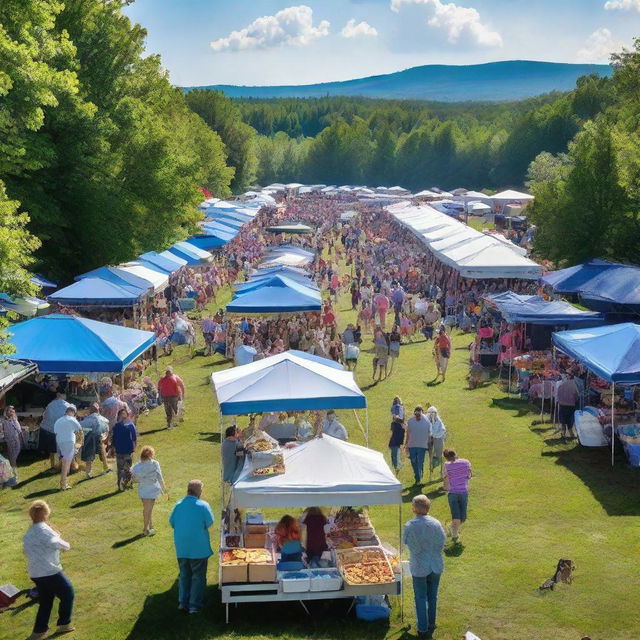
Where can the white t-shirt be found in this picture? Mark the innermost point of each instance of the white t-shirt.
(66, 428)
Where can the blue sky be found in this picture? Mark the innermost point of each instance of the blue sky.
(306, 41)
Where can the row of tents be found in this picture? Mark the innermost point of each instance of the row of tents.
(127, 284)
(470, 252)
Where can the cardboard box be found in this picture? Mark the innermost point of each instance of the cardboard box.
(234, 573)
(255, 540)
(262, 572)
(256, 528)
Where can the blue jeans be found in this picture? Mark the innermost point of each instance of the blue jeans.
(192, 582)
(49, 588)
(425, 593)
(416, 455)
(395, 457)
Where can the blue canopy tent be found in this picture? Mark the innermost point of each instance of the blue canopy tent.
(273, 280)
(283, 269)
(119, 277)
(536, 310)
(206, 242)
(219, 230)
(168, 265)
(176, 259)
(600, 284)
(611, 352)
(190, 253)
(42, 282)
(235, 214)
(66, 344)
(96, 292)
(227, 222)
(279, 296)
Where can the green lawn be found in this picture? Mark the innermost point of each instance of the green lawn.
(533, 500)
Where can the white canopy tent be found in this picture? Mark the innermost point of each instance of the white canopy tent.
(286, 258)
(472, 253)
(159, 280)
(289, 381)
(324, 471)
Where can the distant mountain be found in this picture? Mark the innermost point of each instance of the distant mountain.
(495, 81)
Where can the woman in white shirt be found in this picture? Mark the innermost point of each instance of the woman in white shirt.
(436, 439)
(148, 475)
(42, 545)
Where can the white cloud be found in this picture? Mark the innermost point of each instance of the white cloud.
(622, 5)
(353, 30)
(459, 23)
(599, 46)
(292, 26)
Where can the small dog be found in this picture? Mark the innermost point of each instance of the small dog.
(564, 573)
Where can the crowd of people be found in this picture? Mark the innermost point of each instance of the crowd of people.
(400, 294)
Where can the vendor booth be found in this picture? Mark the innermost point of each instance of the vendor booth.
(67, 344)
(613, 354)
(321, 472)
(96, 292)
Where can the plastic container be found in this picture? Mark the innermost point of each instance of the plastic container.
(372, 608)
(294, 581)
(325, 580)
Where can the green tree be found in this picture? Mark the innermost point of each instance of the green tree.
(224, 117)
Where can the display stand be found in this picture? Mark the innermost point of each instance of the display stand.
(272, 592)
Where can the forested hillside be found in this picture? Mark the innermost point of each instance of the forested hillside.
(411, 143)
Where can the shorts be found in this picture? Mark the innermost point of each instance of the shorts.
(458, 505)
(67, 450)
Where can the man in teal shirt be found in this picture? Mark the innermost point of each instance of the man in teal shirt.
(191, 519)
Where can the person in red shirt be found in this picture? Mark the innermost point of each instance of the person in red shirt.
(171, 390)
(443, 344)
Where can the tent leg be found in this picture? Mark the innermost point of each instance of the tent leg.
(366, 415)
(613, 433)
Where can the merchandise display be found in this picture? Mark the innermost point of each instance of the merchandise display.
(365, 566)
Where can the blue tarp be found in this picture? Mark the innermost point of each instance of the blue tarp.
(599, 281)
(280, 296)
(611, 352)
(119, 277)
(168, 265)
(66, 344)
(190, 253)
(96, 292)
(536, 310)
(208, 243)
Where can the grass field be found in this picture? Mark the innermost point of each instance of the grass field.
(533, 501)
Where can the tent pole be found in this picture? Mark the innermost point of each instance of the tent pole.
(613, 433)
(366, 415)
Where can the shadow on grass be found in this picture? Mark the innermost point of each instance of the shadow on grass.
(210, 436)
(41, 494)
(521, 407)
(39, 476)
(152, 431)
(21, 607)
(123, 543)
(86, 503)
(160, 620)
(615, 488)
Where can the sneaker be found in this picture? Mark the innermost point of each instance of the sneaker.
(182, 609)
(38, 636)
(108, 470)
(151, 532)
(194, 610)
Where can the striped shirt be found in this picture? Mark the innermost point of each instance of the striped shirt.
(458, 473)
